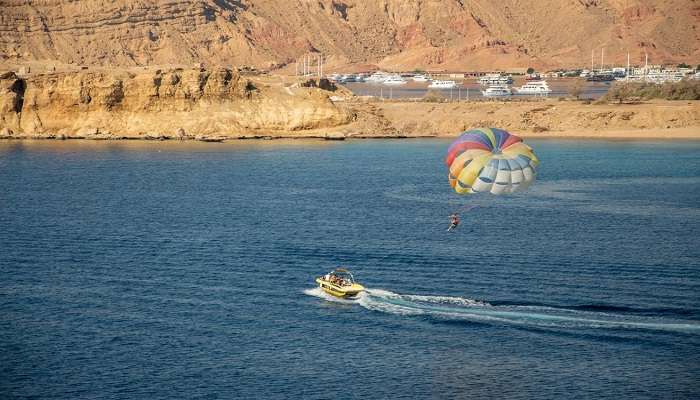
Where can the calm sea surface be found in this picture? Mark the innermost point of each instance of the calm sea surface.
(185, 270)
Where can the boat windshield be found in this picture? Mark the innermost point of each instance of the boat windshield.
(341, 277)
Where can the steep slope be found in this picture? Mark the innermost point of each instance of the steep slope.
(160, 103)
(398, 34)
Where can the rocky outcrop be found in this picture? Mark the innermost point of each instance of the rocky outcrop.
(399, 34)
(160, 104)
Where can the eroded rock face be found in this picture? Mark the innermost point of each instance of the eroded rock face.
(11, 100)
(159, 104)
(401, 34)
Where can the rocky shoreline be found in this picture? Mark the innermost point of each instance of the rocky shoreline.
(176, 103)
(223, 104)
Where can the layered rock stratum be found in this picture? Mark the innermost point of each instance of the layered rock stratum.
(393, 34)
(177, 103)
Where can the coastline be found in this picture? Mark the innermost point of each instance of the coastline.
(224, 105)
(668, 134)
(621, 135)
(640, 135)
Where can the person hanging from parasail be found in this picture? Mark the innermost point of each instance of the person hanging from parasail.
(454, 222)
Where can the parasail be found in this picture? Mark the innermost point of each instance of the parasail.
(490, 160)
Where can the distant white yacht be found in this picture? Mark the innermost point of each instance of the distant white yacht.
(496, 91)
(495, 79)
(378, 77)
(394, 80)
(534, 87)
(437, 84)
(656, 75)
(420, 78)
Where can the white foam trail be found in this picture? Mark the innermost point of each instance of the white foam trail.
(459, 308)
(446, 300)
(317, 292)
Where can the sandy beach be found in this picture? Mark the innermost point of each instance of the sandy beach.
(549, 118)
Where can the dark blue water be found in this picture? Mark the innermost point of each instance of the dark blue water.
(180, 270)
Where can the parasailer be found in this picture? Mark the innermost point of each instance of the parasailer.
(490, 160)
(454, 222)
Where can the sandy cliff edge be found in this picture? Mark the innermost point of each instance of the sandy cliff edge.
(548, 118)
(173, 103)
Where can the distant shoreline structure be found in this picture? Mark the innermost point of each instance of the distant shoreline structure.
(222, 104)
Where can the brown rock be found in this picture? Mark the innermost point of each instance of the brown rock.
(6, 133)
(87, 133)
(215, 102)
(401, 34)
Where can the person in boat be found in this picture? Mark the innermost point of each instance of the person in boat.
(454, 222)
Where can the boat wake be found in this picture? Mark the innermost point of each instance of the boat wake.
(449, 308)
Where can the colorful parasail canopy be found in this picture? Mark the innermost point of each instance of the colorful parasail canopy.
(490, 160)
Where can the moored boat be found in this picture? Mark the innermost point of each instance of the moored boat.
(394, 80)
(437, 84)
(497, 91)
(420, 78)
(377, 77)
(495, 79)
(535, 87)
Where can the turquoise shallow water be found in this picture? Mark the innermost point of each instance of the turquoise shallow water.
(185, 270)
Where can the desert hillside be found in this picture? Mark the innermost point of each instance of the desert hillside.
(394, 34)
(153, 104)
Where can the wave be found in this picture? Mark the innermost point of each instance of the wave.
(608, 308)
(463, 309)
(317, 292)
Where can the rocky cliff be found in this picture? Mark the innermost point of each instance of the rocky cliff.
(398, 34)
(160, 103)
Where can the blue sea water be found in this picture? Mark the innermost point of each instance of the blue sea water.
(185, 270)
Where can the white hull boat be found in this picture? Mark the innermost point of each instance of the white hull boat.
(443, 85)
(497, 91)
(535, 87)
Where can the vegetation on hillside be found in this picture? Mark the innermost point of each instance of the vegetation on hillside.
(627, 91)
(434, 96)
(576, 89)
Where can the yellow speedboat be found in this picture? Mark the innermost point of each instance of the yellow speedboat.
(340, 283)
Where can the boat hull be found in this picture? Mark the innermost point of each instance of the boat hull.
(519, 91)
(338, 291)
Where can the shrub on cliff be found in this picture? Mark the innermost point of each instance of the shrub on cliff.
(576, 89)
(683, 90)
(434, 96)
